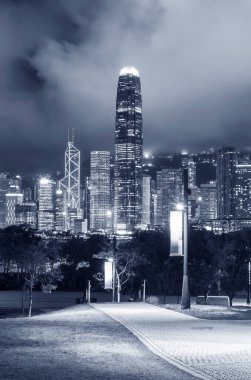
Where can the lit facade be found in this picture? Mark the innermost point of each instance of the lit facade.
(128, 153)
(100, 196)
(243, 191)
(26, 213)
(12, 199)
(169, 193)
(146, 207)
(208, 201)
(46, 192)
(188, 163)
(59, 210)
(225, 176)
(4, 186)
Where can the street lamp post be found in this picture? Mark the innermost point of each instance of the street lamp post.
(89, 292)
(144, 291)
(114, 271)
(249, 280)
(185, 298)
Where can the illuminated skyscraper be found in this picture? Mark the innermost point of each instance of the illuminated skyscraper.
(4, 186)
(225, 175)
(208, 201)
(70, 185)
(146, 207)
(13, 197)
(243, 191)
(169, 193)
(128, 152)
(59, 210)
(46, 188)
(100, 190)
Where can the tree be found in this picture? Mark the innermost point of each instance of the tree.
(154, 246)
(78, 260)
(38, 268)
(234, 256)
(126, 258)
(204, 250)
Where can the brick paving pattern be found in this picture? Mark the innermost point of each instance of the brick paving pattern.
(213, 349)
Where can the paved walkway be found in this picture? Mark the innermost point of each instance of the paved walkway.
(209, 349)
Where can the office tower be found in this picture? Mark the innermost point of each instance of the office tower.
(27, 194)
(146, 207)
(208, 201)
(4, 186)
(12, 198)
(26, 213)
(59, 210)
(70, 184)
(169, 193)
(243, 191)
(86, 198)
(100, 206)
(128, 152)
(188, 163)
(225, 176)
(46, 192)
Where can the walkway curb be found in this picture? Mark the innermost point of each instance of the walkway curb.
(155, 349)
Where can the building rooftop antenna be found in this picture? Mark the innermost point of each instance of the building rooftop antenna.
(73, 136)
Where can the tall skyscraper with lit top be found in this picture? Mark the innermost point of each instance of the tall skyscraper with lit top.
(128, 152)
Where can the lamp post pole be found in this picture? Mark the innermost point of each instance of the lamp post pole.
(89, 292)
(185, 298)
(249, 280)
(114, 271)
(144, 290)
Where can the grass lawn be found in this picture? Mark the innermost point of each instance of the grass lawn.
(77, 343)
(214, 312)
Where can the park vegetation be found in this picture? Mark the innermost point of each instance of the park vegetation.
(218, 264)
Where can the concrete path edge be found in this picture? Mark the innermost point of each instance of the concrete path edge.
(154, 349)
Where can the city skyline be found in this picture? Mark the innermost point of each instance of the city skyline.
(59, 74)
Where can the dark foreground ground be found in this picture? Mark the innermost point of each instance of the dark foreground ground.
(77, 343)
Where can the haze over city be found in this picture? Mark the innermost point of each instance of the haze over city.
(60, 63)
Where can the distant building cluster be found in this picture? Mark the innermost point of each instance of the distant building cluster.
(129, 190)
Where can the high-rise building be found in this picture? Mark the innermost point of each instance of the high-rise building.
(100, 198)
(4, 186)
(13, 197)
(225, 176)
(208, 201)
(169, 193)
(243, 191)
(59, 210)
(46, 192)
(70, 185)
(146, 207)
(26, 213)
(128, 152)
(188, 163)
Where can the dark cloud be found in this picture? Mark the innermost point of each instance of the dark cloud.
(60, 60)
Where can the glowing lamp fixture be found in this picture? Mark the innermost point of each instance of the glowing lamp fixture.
(180, 206)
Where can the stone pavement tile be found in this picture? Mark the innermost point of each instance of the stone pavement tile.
(217, 349)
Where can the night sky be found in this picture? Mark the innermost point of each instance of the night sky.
(60, 61)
